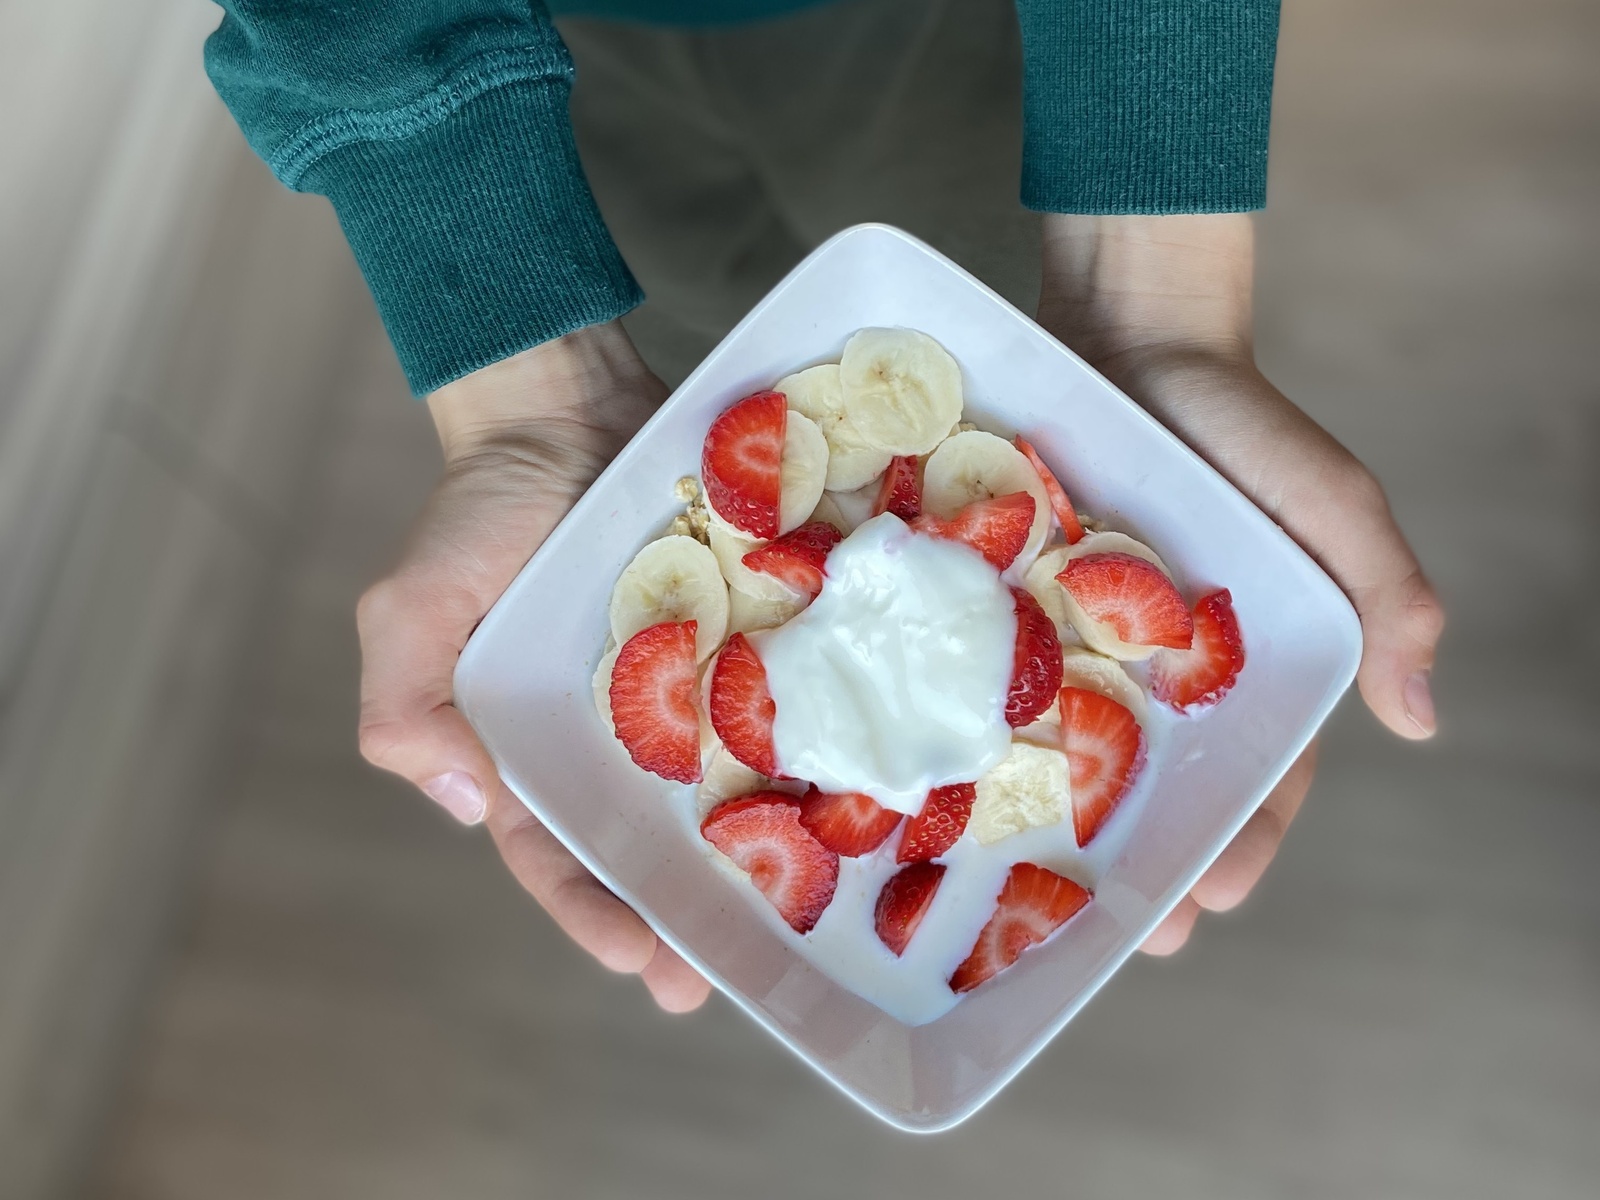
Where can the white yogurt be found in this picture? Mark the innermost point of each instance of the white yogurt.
(894, 680)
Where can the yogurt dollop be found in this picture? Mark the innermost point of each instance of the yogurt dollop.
(894, 680)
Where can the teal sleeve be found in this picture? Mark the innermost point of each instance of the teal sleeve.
(439, 131)
(1146, 106)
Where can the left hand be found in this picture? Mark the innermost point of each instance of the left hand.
(1161, 307)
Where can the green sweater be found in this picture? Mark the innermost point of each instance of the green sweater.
(439, 130)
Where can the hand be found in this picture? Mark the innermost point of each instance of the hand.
(1161, 307)
(522, 440)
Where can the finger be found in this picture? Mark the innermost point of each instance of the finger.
(1239, 867)
(676, 986)
(578, 902)
(408, 724)
(1173, 932)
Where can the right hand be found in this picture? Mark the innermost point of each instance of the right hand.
(522, 440)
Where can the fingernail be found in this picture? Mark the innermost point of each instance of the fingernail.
(459, 795)
(1419, 703)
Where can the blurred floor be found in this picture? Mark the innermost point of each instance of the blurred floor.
(362, 1004)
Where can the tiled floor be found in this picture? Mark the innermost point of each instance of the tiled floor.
(361, 1004)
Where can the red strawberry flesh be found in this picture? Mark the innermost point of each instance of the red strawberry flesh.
(1034, 903)
(996, 528)
(763, 836)
(899, 493)
(847, 823)
(796, 559)
(903, 903)
(1059, 503)
(1205, 672)
(653, 688)
(1036, 668)
(939, 825)
(1105, 752)
(741, 707)
(1131, 595)
(742, 463)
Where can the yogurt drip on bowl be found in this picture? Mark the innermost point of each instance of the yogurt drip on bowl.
(894, 680)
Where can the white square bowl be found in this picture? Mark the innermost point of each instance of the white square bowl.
(524, 679)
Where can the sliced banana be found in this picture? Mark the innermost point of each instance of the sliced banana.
(1030, 788)
(901, 389)
(855, 508)
(747, 612)
(725, 778)
(815, 393)
(1041, 583)
(975, 466)
(1106, 676)
(1100, 635)
(602, 682)
(828, 510)
(673, 578)
(805, 471)
(729, 547)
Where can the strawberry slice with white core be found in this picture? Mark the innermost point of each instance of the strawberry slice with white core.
(899, 493)
(903, 903)
(763, 836)
(1105, 752)
(847, 823)
(742, 463)
(1037, 666)
(996, 528)
(1132, 596)
(940, 823)
(652, 696)
(741, 707)
(1060, 505)
(1033, 904)
(796, 559)
(1203, 673)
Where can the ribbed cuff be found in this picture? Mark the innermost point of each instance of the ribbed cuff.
(478, 234)
(1147, 106)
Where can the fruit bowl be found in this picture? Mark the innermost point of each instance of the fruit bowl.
(524, 678)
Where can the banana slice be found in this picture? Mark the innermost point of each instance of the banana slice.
(902, 390)
(1030, 788)
(747, 612)
(828, 510)
(1097, 673)
(729, 547)
(975, 466)
(1040, 582)
(854, 508)
(815, 393)
(674, 578)
(723, 779)
(1096, 634)
(805, 471)
(602, 682)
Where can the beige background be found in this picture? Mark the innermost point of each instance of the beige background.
(234, 962)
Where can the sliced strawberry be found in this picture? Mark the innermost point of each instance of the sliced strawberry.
(742, 463)
(899, 493)
(1036, 667)
(1033, 904)
(1105, 751)
(847, 823)
(996, 528)
(941, 822)
(741, 707)
(762, 834)
(796, 558)
(1059, 503)
(1203, 673)
(1131, 595)
(653, 701)
(903, 903)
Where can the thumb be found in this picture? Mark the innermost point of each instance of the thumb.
(408, 723)
(1401, 617)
